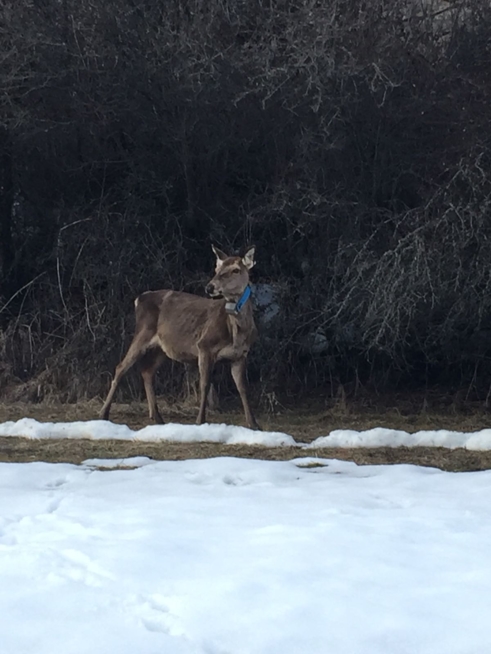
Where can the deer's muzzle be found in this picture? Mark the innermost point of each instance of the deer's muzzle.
(212, 291)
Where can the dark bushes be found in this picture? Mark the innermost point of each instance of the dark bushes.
(350, 141)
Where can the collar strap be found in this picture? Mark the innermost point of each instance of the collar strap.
(233, 308)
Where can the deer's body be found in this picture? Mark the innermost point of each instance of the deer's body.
(186, 327)
(196, 322)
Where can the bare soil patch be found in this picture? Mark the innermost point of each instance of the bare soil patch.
(304, 424)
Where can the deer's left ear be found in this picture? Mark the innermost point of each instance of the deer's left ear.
(248, 258)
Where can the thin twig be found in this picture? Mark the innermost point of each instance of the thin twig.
(20, 290)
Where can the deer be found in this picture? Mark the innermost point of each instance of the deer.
(185, 327)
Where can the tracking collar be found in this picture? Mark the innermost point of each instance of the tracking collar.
(233, 308)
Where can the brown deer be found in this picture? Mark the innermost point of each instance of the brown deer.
(186, 327)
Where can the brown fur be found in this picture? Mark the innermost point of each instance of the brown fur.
(186, 327)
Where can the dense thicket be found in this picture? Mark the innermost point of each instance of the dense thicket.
(349, 140)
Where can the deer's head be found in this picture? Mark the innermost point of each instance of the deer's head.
(231, 275)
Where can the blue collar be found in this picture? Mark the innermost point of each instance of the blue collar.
(234, 308)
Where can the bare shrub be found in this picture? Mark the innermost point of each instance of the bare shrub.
(348, 139)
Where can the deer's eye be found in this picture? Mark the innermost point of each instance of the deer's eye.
(236, 271)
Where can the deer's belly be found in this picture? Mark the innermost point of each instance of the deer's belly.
(179, 350)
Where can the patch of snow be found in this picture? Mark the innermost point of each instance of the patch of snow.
(92, 429)
(316, 341)
(382, 437)
(252, 557)
(128, 462)
(170, 432)
(265, 298)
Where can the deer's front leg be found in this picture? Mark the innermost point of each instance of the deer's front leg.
(239, 374)
(205, 364)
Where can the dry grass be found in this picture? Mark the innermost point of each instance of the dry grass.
(304, 424)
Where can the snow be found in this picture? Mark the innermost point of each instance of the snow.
(381, 437)
(233, 435)
(171, 432)
(233, 556)
(127, 462)
(266, 301)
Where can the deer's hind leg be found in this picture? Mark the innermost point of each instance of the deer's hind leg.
(149, 364)
(137, 348)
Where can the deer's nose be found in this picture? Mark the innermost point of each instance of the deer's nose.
(210, 288)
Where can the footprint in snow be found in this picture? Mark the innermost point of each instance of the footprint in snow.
(157, 614)
(56, 483)
(77, 566)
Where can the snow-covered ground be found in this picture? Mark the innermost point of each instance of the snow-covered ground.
(230, 434)
(232, 556)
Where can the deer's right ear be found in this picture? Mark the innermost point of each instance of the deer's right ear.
(221, 256)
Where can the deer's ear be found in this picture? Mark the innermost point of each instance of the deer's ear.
(248, 258)
(221, 256)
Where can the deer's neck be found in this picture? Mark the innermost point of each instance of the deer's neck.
(241, 325)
